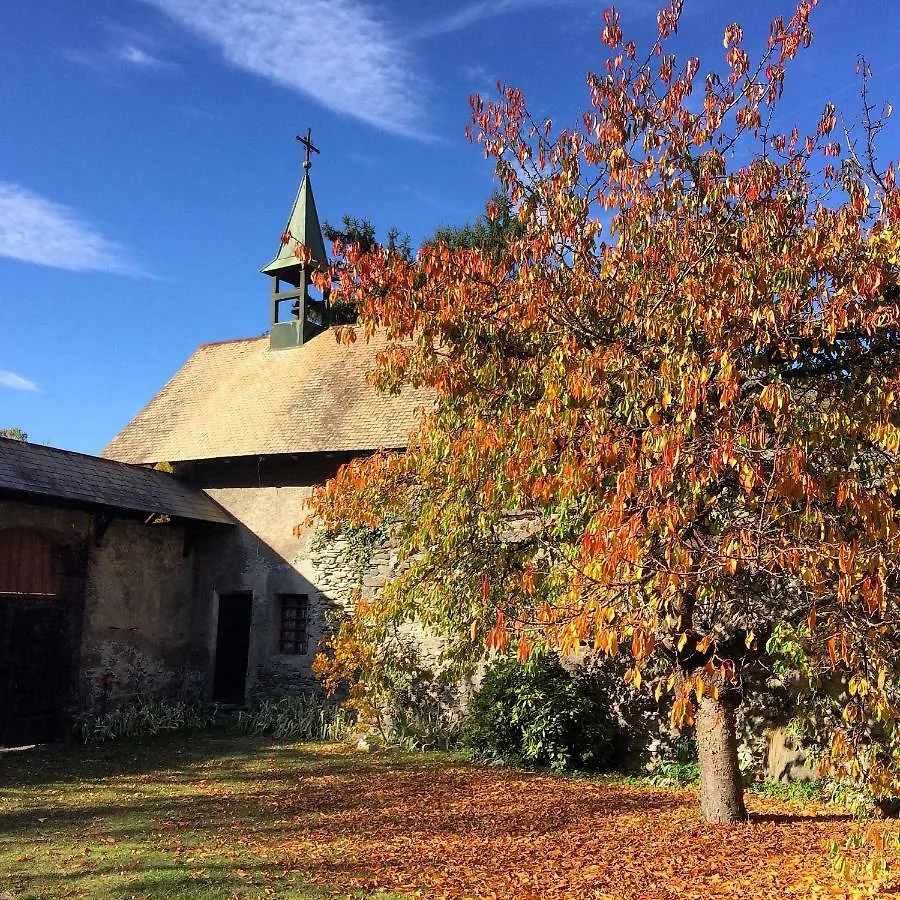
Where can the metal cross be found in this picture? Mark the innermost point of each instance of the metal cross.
(310, 147)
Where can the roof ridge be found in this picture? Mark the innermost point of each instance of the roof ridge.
(244, 340)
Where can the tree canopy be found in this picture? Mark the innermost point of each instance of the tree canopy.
(15, 434)
(490, 233)
(665, 415)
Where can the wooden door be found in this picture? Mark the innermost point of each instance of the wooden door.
(33, 639)
(33, 651)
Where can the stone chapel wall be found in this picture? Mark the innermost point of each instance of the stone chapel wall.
(262, 555)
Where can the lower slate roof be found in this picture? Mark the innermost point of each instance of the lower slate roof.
(45, 474)
(239, 398)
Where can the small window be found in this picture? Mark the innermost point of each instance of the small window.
(294, 620)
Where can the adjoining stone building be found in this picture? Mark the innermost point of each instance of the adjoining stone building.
(97, 574)
(226, 602)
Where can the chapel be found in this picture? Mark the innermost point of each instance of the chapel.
(176, 568)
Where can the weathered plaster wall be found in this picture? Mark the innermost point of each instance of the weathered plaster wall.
(138, 637)
(68, 526)
(131, 598)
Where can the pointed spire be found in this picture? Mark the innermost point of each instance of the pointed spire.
(300, 312)
(303, 228)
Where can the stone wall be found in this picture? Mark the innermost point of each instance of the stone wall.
(263, 556)
(148, 595)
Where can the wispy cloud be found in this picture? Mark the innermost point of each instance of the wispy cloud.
(16, 382)
(37, 230)
(472, 13)
(82, 58)
(343, 53)
(477, 78)
(135, 56)
(132, 55)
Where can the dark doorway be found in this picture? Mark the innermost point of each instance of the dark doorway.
(33, 657)
(232, 647)
(34, 639)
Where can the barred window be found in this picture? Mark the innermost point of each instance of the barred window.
(294, 620)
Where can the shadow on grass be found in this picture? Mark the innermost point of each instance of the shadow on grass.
(374, 795)
(172, 753)
(56, 762)
(211, 878)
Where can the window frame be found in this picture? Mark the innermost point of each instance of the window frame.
(293, 630)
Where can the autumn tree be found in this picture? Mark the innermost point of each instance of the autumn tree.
(359, 235)
(665, 418)
(15, 434)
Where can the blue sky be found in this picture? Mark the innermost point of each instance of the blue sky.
(148, 161)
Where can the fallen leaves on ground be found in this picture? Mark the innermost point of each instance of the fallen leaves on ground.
(224, 816)
(472, 832)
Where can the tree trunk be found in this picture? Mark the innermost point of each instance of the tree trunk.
(721, 788)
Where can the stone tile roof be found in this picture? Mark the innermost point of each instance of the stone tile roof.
(32, 471)
(238, 398)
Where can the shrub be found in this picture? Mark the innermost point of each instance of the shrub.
(543, 715)
(389, 683)
(302, 717)
(679, 767)
(144, 718)
(798, 791)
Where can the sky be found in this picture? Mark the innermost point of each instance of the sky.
(148, 161)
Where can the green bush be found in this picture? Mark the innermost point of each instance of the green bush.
(144, 718)
(800, 791)
(540, 714)
(302, 717)
(679, 767)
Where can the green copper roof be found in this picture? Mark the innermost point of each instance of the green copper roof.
(303, 227)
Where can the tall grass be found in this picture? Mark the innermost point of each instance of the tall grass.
(144, 718)
(303, 717)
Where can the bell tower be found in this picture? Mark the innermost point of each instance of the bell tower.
(299, 310)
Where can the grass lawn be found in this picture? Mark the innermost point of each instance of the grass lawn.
(215, 815)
